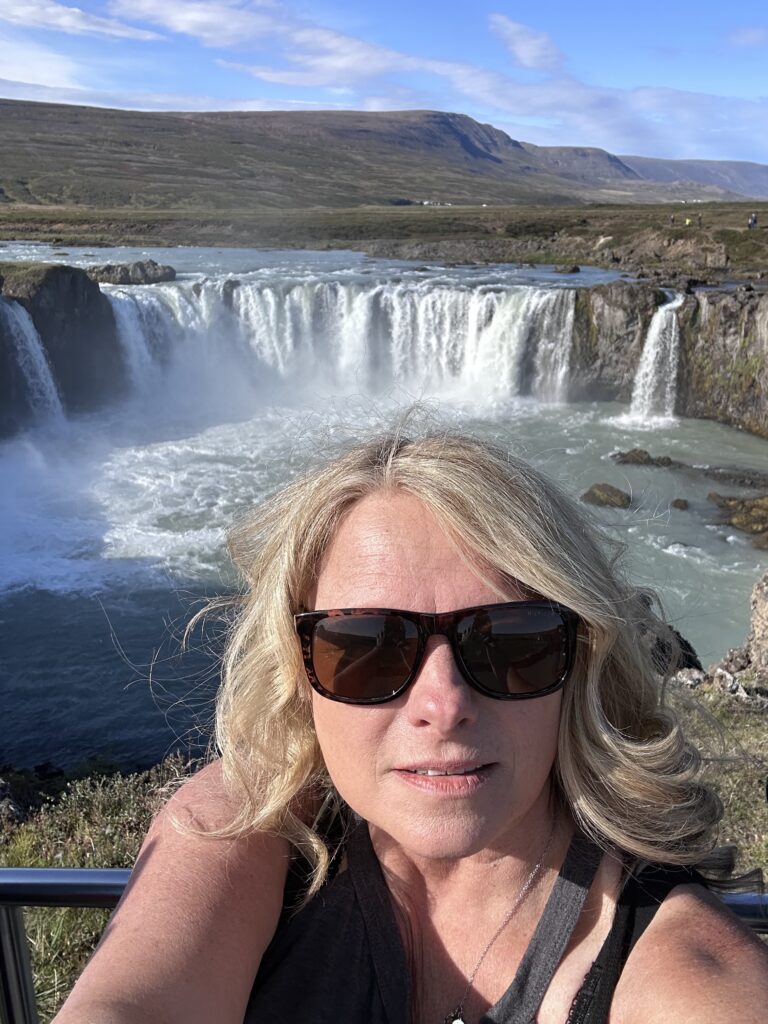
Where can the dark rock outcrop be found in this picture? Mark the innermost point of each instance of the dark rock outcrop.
(640, 457)
(724, 359)
(77, 328)
(140, 272)
(606, 495)
(610, 325)
(750, 515)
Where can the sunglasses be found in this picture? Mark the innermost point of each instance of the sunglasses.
(512, 651)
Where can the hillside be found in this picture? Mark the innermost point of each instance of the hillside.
(748, 179)
(57, 155)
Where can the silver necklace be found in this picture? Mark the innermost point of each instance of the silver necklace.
(456, 1016)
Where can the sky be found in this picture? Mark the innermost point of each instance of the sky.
(675, 80)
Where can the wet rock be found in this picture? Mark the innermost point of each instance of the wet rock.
(680, 503)
(140, 272)
(750, 515)
(606, 495)
(760, 541)
(640, 457)
(565, 268)
(228, 290)
(77, 329)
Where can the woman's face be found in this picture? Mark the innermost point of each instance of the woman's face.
(391, 552)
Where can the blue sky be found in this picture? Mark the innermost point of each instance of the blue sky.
(652, 79)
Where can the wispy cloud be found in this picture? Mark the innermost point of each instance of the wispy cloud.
(214, 23)
(757, 35)
(47, 14)
(83, 96)
(530, 48)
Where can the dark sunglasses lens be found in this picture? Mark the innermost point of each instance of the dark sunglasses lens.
(515, 651)
(364, 657)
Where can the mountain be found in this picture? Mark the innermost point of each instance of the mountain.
(93, 157)
(747, 179)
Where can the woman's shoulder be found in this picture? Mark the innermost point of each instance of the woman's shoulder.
(694, 961)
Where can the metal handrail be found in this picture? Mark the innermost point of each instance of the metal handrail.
(103, 887)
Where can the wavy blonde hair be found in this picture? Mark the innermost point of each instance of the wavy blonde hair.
(624, 768)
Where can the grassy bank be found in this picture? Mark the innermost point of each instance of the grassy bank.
(100, 821)
(625, 236)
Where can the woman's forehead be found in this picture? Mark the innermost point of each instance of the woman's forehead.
(392, 551)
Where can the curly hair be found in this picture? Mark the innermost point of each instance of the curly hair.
(624, 768)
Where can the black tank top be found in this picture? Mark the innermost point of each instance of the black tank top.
(340, 959)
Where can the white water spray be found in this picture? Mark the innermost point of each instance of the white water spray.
(31, 360)
(553, 350)
(655, 388)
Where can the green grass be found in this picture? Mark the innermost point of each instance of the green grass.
(96, 822)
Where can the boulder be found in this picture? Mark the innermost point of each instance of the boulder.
(750, 515)
(640, 457)
(77, 329)
(680, 503)
(567, 268)
(140, 272)
(607, 495)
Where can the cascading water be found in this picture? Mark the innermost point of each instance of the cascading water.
(421, 335)
(553, 349)
(31, 360)
(655, 387)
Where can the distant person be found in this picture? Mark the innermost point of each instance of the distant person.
(688, 222)
(698, 219)
(450, 787)
(671, 220)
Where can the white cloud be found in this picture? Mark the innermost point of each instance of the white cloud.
(215, 23)
(757, 35)
(32, 64)
(50, 15)
(531, 49)
(18, 90)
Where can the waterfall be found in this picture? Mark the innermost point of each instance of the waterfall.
(31, 360)
(655, 387)
(368, 336)
(553, 348)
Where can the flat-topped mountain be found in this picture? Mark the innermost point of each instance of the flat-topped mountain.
(92, 157)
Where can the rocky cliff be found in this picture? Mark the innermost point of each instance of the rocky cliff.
(723, 370)
(77, 330)
(610, 325)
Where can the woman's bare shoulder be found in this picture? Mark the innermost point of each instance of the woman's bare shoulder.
(198, 913)
(696, 961)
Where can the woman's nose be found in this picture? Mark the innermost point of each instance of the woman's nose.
(439, 696)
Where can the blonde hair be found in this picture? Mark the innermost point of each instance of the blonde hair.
(624, 768)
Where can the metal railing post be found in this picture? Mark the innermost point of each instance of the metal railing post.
(18, 1004)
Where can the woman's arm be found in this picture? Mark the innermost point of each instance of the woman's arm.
(187, 938)
(695, 962)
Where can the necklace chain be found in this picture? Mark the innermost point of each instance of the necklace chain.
(456, 1016)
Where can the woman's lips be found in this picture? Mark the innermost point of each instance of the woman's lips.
(451, 779)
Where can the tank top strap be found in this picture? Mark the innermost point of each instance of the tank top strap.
(521, 1001)
(386, 947)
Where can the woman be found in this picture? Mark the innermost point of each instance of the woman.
(445, 767)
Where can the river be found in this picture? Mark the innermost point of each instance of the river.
(113, 524)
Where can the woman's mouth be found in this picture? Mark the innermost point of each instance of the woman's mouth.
(454, 779)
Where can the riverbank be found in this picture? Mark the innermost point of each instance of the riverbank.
(715, 245)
